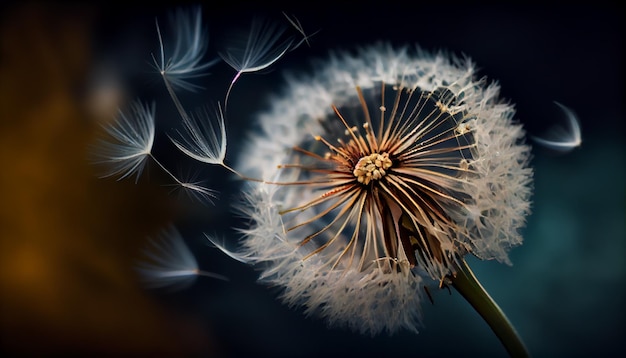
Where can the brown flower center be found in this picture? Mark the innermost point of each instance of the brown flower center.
(372, 167)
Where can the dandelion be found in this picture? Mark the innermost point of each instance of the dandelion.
(132, 140)
(187, 60)
(256, 49)
(204, 138)
(563, 139)
(382, 170)
(367, 182)
(192, 185)
(169, 263)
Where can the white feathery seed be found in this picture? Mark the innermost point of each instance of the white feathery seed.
(130, 144)
(169, 263)
(187, 60)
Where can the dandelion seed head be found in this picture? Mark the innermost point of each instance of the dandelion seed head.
(129, 143)
(382, 169)
(562, 138)
(186, 61)
(195, 190)
(204, 136)
(257, 48)
(168, 263)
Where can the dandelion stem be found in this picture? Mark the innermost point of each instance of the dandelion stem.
(468, 286)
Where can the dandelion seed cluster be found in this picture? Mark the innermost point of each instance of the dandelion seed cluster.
(367, 180)
(382, 169)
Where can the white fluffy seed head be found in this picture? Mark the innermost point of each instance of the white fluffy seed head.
(455, 181)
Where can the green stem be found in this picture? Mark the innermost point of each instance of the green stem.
(468, 286)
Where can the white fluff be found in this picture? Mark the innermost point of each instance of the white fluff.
(343, 271)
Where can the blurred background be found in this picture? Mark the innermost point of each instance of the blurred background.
(68, 240)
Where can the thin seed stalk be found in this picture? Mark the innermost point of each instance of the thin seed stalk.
(470, 288)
